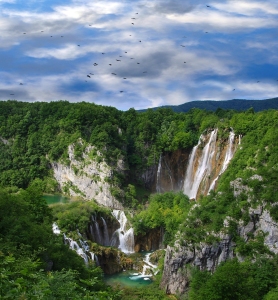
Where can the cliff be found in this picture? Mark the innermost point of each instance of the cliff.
(87, 176)
(260, 227)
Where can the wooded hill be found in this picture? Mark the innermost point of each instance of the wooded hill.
(235, 104)
(34, 134)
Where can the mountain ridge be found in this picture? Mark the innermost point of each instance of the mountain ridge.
(213, 105)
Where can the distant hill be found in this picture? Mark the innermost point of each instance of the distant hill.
(236, 104)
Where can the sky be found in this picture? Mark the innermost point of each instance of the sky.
(138, 53)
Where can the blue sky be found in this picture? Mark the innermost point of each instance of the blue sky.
(175, 52)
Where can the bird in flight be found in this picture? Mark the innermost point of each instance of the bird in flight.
(182, 46)
(89, 76)
(208, 6)
(21, 83)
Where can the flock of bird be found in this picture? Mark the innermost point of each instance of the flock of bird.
(119, 59)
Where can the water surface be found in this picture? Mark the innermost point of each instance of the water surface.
(127, 279)
(52, 199)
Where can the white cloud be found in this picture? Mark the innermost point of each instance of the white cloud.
(223, 22)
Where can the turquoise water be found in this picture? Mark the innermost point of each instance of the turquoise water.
(127, 279)
(52, 199)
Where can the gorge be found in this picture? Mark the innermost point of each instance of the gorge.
(197, 190)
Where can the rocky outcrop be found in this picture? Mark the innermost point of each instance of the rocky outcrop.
(171, 171)
(152, 240)
(207, 257)
(87, 176)
(176, 275)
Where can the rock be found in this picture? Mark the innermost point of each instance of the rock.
(86, 177)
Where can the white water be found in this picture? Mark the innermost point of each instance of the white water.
(126, 237)
(55, 229)
(228, 156)
(158, 189)
(193, 181)
(147, 265)
(98, 234)
(105, 233)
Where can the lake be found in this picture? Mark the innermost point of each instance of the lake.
(52, 199)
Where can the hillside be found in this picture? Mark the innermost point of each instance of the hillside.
(202, 185)
(235, 104)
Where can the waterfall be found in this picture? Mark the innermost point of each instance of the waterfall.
(192, 183)
(126, 237)
(81, 251)
(106, 234)
(228, 156)
(55, 229)
(158, 189)
(190, 168)
(98, 234)
(147, 265)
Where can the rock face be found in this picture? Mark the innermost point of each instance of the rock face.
(207, 257)
(171, 171)
(176, 275)
(87, 176)
(151, 241)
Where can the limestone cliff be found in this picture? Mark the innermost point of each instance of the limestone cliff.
(87, 176)
(176, 274)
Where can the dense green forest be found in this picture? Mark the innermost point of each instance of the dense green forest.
(34, 262)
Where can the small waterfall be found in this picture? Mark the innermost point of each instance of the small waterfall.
(148, 265)
(98, 236)
(55, 229)
(106, 241)
(158, 188)
(126, 237)
(81, 251)
(94, 258)
(192, 183)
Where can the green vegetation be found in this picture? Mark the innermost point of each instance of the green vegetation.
(34, 263)
(33, 135)
(236, 281)
(166, 210)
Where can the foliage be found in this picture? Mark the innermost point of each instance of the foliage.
(166, 210)
(235, 281)
(76, 214)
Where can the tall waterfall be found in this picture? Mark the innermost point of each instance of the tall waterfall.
(228, 156)
(158, 188)
(203, 167)
(126, 237)
(207, 163)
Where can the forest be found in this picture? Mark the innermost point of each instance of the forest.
(35, 264)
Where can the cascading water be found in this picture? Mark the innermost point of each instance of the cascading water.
(194, 179)
(106, 241)
(147, 266)
(98, 234)
(158, 188)
(228, 156)
(55, 229)
(126, 237)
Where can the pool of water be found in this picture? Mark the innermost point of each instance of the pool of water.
(52, 199)
(128, 279)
